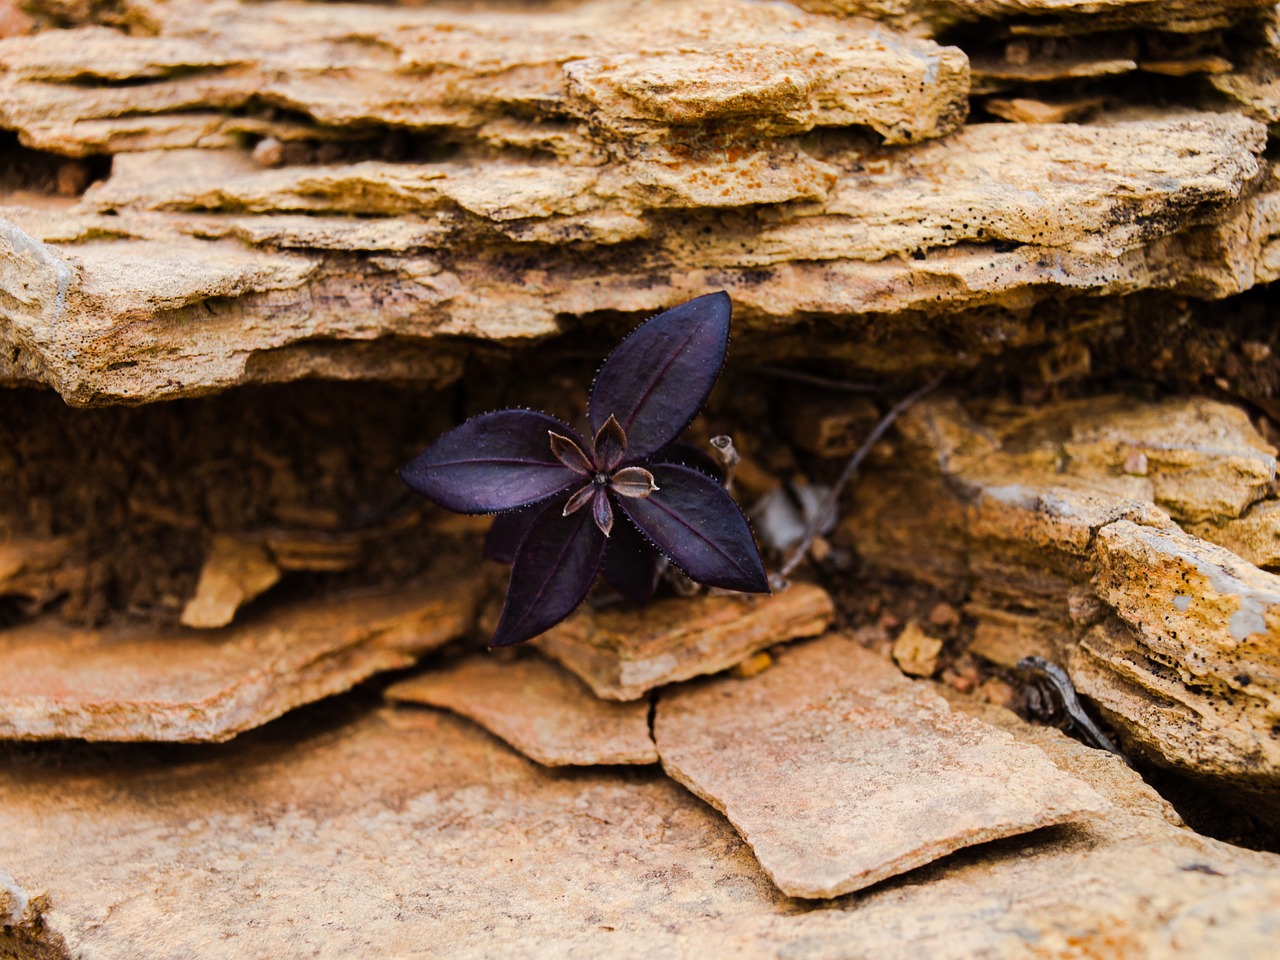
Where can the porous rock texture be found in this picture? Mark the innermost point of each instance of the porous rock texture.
(539, 708)
(1067, 522)
(494, 176)
(131, 684)
(822, 735)
(1068, 208)
(622, 654)
(458, 844)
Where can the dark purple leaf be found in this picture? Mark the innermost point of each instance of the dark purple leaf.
(553, 570)
(691, 456)
(570, 454)
(611, 445)
(657, 379)
(493, 462)
(698, 526)
(580, 498)
(632, 482)
(631, 566)
(507, 532)
(602, 511)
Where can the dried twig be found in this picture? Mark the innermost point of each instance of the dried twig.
(850, 469)
(814, 379)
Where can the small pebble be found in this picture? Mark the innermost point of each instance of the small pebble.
(943, 614)
(752, 666)
(1135, 463)
(73, 177)
(1255, 351)
(269, 152)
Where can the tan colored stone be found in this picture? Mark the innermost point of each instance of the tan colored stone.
(622, 654)
(915, 652)
(37, 568)
(1051, 17)
(235, 572)
(539, 708)
(144, 305)
(628, 67)
(1066, 556)
(459, 845)
(1195, 677)
(1254, 85)
(840, 773)
(1026, 110)
(127, 683)
(23, 934)
(1253, 536)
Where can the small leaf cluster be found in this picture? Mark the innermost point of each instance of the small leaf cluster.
(572, 507)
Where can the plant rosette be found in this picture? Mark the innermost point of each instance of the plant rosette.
(559, 495)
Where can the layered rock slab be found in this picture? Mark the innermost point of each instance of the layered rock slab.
(128, 303)
(457, 843)
(1063, 523)
(539, 708)
(622, 654)
(631, 69)
(129, 683)
(841, 773)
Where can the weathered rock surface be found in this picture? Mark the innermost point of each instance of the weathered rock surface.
(539, 708)
(454, 841)
(1050, 17)
(572, 169)
(235, 572)
(840, 773)
(629, 68)
(1057, 517)
(130, 684)
(622, 654)
(172, 304)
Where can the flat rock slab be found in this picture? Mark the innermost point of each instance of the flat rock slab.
(624, 653)
(193, 685)
(539, 708)
(841, 773)
(413, 833)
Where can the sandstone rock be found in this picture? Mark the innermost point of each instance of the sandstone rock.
(1069, 558)
(630, 69)
(1252, 536)
(1050, 17)
(624, 653)
(915, 652)
(37, 568)
(840, 773)
(454, 840)
(1196, 674)
(166, 304)
(127, 683)
(22, 921)
(539, 708)
(234, 573)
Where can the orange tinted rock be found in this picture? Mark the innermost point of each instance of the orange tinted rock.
(412, 829)
(126, 683)
(840, 773)
(539, 708)
(623, 653)
(234, 573)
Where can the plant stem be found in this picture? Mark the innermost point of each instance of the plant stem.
(827, 509)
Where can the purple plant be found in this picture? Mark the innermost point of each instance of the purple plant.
(559, 495)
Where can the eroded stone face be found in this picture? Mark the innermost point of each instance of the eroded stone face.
(622, 654)
(840, 773)
(1057, 520)
(209, 685)
(539, 708)
(455, 841)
